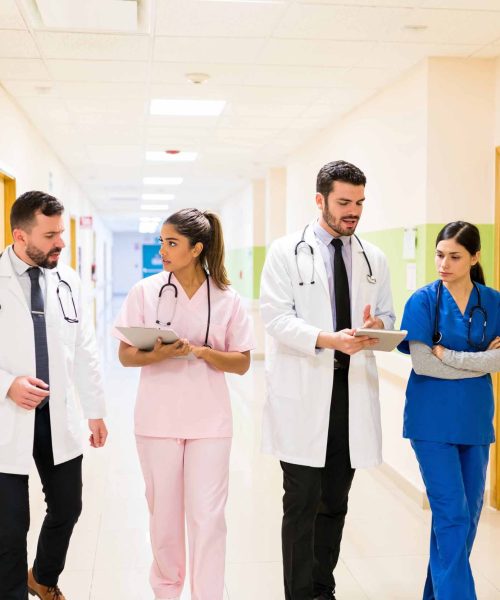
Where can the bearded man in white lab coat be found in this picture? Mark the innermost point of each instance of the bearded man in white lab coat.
(322, 415)
(48, 354)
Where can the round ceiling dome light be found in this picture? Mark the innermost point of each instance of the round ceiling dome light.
(197, 78)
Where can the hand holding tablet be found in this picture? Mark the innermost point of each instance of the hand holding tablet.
(388, 339)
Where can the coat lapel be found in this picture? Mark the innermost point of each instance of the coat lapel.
(12, 283)
(357, 281)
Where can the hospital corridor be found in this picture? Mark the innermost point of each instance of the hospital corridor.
(250, 300)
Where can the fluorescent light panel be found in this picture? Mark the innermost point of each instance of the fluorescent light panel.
(158, 196)
(164, 157)
(162, 180)
(187, 108)
(161, 207)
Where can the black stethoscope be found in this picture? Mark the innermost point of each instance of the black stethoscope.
(172, 286)
(437, 336)
(370, 278)
(64, 285)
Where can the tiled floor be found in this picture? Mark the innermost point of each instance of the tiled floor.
(384, 551)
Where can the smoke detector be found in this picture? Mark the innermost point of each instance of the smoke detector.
(197, 78)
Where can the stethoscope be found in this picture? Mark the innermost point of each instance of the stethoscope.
(64, 285)
(370, 278)
(437, 336)
(173, 287)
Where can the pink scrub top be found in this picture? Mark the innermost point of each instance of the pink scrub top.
(177, 397)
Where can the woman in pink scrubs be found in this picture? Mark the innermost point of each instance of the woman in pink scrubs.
(183, 422)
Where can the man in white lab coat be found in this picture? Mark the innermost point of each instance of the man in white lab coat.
(48, 355)
(322, 415)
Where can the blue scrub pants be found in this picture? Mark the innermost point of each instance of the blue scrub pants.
(454, 477)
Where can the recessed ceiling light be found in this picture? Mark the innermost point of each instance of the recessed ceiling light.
(161, 207)
(157, 196)
(187, 108)
(164, 157)
(162, 180)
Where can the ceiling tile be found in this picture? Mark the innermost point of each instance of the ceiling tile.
(295, 76)
(10, 17)
(20, 88)
(23, 68)
(264, 110)
(222, 50)
(123, 155)
(131, 91)
(17, 44)
(389, 3)
(340, 22)
(98, 70)
(268, 123)
(314, 52)
(214, 19)
(462, 4)
(93, 46)
(403, 56)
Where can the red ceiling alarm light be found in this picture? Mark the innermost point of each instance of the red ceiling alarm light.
(172, 151)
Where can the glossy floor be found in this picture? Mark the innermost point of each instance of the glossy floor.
(384, 551)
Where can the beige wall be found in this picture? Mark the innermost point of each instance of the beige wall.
(387, 138)
(34, 165)
(461, 126)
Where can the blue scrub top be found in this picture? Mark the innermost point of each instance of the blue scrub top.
(456, 411)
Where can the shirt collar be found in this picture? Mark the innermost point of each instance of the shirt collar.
(326, 237)
(20, 267)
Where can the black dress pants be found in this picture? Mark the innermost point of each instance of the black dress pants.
(62, 487)
(315, 507)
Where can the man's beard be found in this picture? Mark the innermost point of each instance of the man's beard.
(337, 226)
(41, 259)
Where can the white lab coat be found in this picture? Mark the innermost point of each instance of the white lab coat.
(299, 376)
(73, 367)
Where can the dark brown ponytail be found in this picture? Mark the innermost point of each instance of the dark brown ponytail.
(204, 227)
(214, 254)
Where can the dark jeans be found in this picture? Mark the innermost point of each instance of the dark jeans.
(315, 507)
(62, 487)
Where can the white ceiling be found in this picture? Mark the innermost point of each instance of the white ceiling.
(286, 69)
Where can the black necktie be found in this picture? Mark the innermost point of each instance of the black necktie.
(342, 300)
(38, 315)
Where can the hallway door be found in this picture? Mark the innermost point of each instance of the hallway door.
(7, 197)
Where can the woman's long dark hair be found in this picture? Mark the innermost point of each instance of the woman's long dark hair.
(204, 227)
(467, 235)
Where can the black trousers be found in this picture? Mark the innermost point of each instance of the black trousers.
(315, 507)
(62, 487)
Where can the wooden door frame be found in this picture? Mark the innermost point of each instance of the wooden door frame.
(495, 449)
(9, 183)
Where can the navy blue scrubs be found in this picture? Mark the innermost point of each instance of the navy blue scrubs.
(450, 425)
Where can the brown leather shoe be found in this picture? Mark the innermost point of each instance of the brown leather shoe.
(43, 592)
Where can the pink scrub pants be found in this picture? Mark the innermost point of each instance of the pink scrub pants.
(186, 482)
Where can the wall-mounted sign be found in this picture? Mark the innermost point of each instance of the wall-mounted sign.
(86, 222)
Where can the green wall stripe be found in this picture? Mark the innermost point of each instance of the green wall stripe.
(244, 267)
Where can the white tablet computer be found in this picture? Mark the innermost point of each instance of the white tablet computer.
(388, 339)
(145, 338)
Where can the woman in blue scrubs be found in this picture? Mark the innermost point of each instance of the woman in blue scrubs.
(453, 327)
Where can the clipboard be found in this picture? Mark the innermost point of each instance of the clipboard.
(388, 339)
